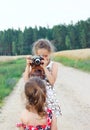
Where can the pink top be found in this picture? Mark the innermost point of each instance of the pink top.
(46, 126)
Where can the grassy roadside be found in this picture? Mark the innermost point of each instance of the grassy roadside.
(82, 64)
(10, 72)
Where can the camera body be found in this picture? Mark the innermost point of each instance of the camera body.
(37, 69)
(37, 61)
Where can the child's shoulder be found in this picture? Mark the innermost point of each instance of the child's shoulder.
(24, 115)
(54, 64)
(24, 111)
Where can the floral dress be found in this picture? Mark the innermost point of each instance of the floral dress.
(47, 126)
(52, 101)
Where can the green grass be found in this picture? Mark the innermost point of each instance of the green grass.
(83, 65)
(10, 72)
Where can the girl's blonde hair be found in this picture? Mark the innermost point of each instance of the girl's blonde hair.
(43, 43)
(35, 92)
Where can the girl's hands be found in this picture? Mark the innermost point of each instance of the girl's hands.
(45, 63)
(28, 60)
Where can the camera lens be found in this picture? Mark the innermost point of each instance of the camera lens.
(37, 61)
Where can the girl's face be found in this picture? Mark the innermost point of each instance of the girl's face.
(44, 53)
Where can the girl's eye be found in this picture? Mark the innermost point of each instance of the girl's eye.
(45, 56)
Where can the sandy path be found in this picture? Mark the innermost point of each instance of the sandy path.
(9, 58)
(10, 112)
(73, 89)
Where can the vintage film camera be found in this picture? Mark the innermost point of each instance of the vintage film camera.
(37, 70)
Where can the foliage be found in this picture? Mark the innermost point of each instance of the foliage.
(82, 64)
(10, 72)
(17, 42)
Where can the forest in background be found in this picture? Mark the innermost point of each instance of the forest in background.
(63, 37)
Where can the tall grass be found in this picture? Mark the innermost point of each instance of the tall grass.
(79, 58)
(82, 64)
(10, 72)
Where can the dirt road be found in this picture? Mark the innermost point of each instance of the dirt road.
(73, 91)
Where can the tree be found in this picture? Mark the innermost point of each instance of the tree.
(20, 43)
(59, 35)
(67, 42)
(83, 39)
(28, 40)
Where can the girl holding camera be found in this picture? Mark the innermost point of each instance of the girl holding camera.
(44, 48)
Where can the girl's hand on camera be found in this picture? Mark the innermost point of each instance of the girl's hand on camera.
(28, 60)
(45, 63)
